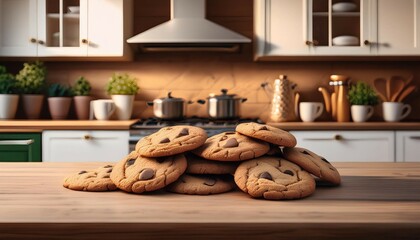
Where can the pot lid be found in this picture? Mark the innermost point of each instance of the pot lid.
(224, 95)
(171, 99)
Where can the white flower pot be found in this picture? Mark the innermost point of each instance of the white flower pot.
(123, 105)
(8, 105)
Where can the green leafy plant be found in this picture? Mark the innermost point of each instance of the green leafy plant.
(122, 84)
(81, 87)
(31, 79)
(7, 82)
(362, 94)
(59, 90)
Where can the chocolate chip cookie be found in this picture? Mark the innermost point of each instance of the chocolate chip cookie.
(311, 162)
(202, 184)
(171, 141)
(139, 174)
(231, 146)
(273, 178)
(93, 181)
(199, 165)
(267, 133)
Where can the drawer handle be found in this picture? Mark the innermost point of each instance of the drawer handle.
(336, 137)
(87, 137)
(415, 137)
(32, 40)
(17, 142)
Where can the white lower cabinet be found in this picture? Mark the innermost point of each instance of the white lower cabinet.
(408, 146)
(84, 146)
(349, 146)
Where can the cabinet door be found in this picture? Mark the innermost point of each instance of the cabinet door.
(106, 27)
(408, 146)
(398, 27)
(280, 27)
(18, 26)
(62, 32)
(329, 27)
(84, 146)
(349, 146)
(20, 147)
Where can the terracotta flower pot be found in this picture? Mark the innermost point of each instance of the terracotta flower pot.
(59, 107)
(82, 106)
(8, 105)
(32, 105)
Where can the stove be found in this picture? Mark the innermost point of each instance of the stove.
(145, 127)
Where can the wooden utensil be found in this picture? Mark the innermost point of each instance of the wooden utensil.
(406, 92)
(380, 87)
(408, 81)
(388, 89)
(397, 85)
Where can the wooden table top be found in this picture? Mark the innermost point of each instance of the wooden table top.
(375, 201)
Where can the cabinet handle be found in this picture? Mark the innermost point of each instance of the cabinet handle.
(32, 40)
(415, 137)
(366, 42)
(313, 43)
(85, 41)
(87, 137)
(41, 42)
(17, 142)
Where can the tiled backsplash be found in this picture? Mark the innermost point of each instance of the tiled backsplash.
(196, 78)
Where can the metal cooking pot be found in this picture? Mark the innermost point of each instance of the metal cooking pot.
(168, 107)
(223, 106)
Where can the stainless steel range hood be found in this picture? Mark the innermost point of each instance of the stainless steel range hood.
(188, 30)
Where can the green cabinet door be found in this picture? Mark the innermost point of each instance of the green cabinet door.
(20, 147)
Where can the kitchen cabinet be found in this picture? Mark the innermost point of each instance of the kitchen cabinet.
(48, 28)
(313, 28)
(82, 146)
(408, 146)
(20, 147)
(354, 146)
(398, 27)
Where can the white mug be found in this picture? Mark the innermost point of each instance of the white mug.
(102, 109)
(395, 111)
(309, 111)
(361, 113)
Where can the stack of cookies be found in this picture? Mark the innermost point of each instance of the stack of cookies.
(259, 159)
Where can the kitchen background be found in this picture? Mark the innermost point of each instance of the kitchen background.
(194, 75)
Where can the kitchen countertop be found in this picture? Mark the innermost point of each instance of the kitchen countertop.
(375, 201)
(347, 125)
(39, 125)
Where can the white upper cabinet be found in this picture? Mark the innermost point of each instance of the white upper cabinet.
(64, 28)
(336, 28)
(18, 26)
(398, 27)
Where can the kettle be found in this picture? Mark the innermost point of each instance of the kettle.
(285, 100)
(337, 103)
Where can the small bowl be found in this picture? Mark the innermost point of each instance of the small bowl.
(344, 7)
(345, 41)
(73, 9)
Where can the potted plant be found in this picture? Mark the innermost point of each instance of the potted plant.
(8, 97)
(81, 90)
(59, 100)
(31, 84)
(362, 97)
(122, 89)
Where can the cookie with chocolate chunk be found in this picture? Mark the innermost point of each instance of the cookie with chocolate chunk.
(171, 141)
(267, 133)
(93, 181)
(231, 146)
(313, 163)
(274, 178)
(202, 184)
(139, 174)
(199, 165)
